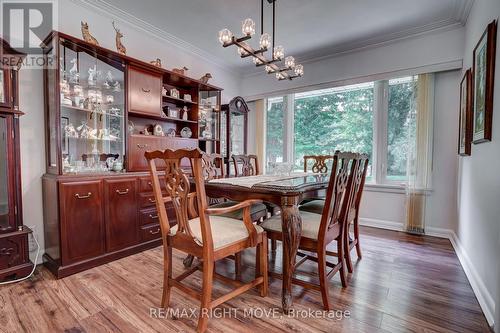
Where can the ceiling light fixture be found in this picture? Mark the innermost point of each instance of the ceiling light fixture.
(290, 71)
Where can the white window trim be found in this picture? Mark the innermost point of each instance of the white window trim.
(379, 181)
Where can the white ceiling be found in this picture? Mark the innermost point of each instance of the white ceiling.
(306, 28)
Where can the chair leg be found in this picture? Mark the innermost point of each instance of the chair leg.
(347, 250)
(323, 281)
(206, 296)
(341, 260)
(237, 266)
(356, 237)
(263, 266)
(167, 274)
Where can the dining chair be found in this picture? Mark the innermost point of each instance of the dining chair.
(213, 167)
(316, 206)
(319, 230)
(202, 232)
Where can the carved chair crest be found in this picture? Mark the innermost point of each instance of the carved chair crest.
(319, 165)
(247, 167)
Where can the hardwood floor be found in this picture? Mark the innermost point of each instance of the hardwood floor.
(404, 283)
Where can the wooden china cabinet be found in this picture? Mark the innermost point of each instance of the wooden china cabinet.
(14, 251)
(234, 129)
(103, 111)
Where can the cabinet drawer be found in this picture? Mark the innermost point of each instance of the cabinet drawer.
(121, 213)
(146, 200)
(150, 232)
(146, 184)
(82, 221)
(149, 216)
(144, 92)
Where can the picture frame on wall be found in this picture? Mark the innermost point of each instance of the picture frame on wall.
(483, 76)
(465, 120)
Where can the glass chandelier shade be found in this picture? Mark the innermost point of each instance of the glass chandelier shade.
(265, 41)
(290, 62)
(225, 36)
(299, 70)
(279, 52)
(248, 27)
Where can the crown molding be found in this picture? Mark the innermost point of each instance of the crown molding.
(462, 10)
(114, 12)
(366, 45)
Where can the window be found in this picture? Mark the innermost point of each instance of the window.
(375, 118)
(333, 119)
(275, 119)
(400, 126)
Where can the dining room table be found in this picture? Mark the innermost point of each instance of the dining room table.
(286, 191)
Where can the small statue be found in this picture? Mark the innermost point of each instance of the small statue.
(87, 36)
(119, 45)
(185, 113)
(108, 82)
(156, 62)
(204, 79)
(92, 75)
(74, 68)
(180, 71)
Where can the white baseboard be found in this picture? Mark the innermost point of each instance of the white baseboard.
(382, 224)
(486, 301)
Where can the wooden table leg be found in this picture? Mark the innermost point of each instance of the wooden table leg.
(292, 228)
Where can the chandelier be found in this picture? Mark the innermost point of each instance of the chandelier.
(288, 70)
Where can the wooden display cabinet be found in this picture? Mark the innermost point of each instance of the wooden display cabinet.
(98, 200)
(14, 252)
(234, 130)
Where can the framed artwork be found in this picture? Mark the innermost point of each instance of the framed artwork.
(483, 77)
(465, 122)
(65, 138)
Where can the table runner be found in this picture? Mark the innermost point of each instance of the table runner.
(250, 181)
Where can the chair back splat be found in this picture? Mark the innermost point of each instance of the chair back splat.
(337, 198)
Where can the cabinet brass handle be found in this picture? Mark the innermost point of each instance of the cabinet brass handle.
(153, 217)
(78, 196)
(154, 232)
(122, 192)
(142, 146)
(151, 200)
(150, 184)
(146, 90)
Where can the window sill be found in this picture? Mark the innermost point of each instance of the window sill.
(393, 188)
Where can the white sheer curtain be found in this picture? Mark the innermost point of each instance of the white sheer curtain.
(419, 153)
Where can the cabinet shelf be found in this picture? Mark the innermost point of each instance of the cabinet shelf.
(178, 101)
(76, 108)
(162, 137)
(161, 118)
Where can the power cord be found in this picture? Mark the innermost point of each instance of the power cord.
(34, 265)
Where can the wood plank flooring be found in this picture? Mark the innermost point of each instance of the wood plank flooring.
(404, 283)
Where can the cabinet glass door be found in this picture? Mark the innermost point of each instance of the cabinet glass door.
(92, 102)
(5, 214)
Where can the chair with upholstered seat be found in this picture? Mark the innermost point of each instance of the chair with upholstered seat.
(316, 206)
(213, 167)
(201, 232)
(319, 230)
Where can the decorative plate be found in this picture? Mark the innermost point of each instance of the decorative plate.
(186, 132)
(171, 133)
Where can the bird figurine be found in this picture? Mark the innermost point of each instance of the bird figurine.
(180, 71)
(87, 36)
(204, 79)
(156, 62)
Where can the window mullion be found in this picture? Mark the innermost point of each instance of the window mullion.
(380, 131)
(288, 133)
